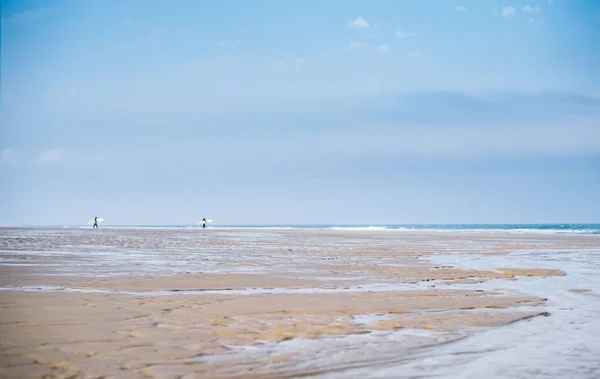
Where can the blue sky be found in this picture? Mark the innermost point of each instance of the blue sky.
(162, 112)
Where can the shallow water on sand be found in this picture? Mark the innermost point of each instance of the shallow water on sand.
(350, 268)
(566, 344)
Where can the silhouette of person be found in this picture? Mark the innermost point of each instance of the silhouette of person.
(95, 222)
(204, 222)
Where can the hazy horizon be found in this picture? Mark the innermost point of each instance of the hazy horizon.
(573, 226)
(269, 112)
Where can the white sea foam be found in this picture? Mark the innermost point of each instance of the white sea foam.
(360, 228)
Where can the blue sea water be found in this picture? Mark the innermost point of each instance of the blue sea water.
(464, 228)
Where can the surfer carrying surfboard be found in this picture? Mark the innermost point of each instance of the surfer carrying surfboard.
(95, 222)
(204, 222)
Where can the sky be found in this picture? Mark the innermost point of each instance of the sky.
(299, 112)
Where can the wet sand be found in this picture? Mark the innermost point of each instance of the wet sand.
(245, 303)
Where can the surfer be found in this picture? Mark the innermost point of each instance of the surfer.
(95, 222)
(204, 222)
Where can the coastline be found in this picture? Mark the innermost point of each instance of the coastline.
(334, 231)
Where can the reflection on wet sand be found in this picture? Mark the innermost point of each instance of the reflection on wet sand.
(178, 303)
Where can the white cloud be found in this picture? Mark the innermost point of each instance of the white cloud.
(355, 45)
(132, 22)
(289, 60)
(402, 34)
(52, 156)
(530, 9)
(467, 140)
(9, 156)
(508, 12)
(25, 17)
(538, 21)
(228, 42)
(359, 23)
(460, 9)
(384, 49)
(415, 55)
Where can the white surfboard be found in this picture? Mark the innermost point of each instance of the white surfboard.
(208, 221)
(91, 222)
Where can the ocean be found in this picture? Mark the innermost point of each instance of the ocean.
(461, 228)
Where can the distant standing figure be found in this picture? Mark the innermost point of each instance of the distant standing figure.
(204, 222)
(95, 222)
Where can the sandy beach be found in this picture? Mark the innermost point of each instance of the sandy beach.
(188, 303)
